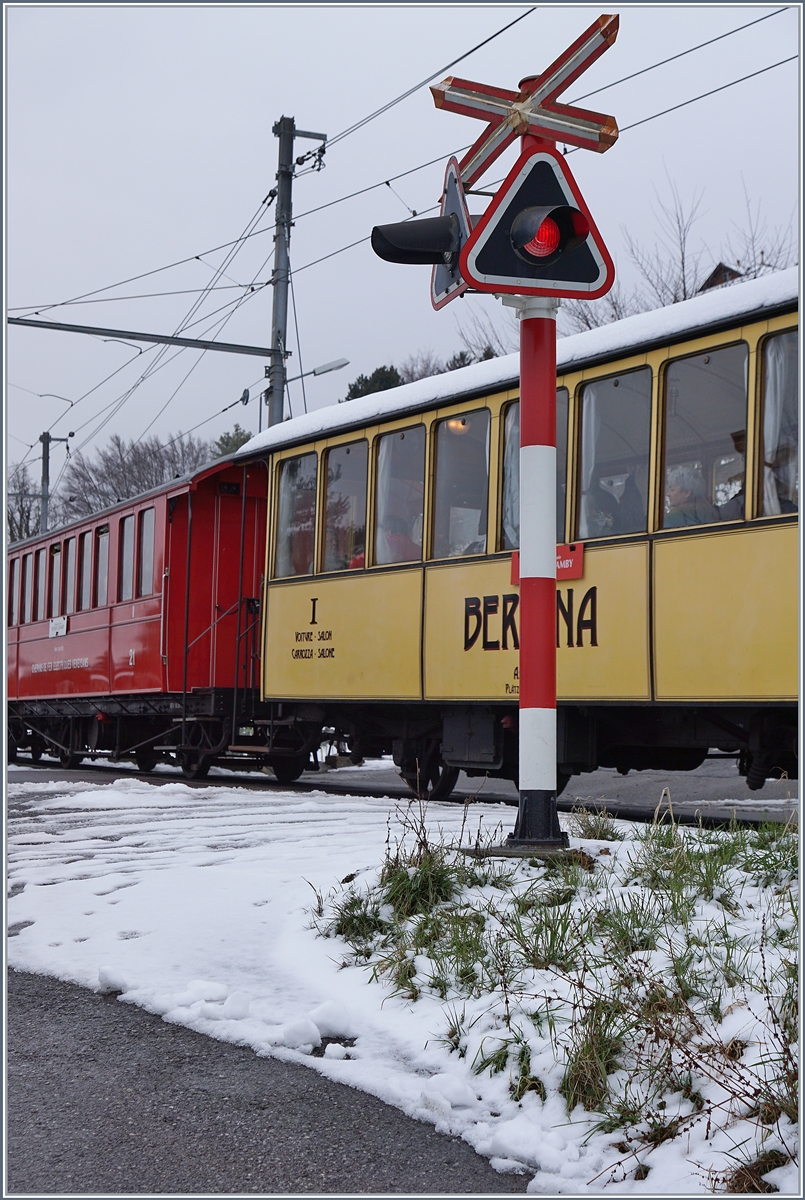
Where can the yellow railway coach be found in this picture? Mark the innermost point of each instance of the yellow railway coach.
(391, 595)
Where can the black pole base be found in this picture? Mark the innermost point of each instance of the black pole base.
(537, 832)
(538, 820)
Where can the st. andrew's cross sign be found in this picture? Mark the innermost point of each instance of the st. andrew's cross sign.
(533, 109)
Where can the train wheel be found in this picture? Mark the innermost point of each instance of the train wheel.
(438, 785)
(146, 759)
(288, 770)
(199, 769)
(69, 761)
(36, 750)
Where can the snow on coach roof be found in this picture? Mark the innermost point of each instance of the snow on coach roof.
(702, 314)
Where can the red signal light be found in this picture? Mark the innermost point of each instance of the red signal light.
(545, 241)
(581, 226)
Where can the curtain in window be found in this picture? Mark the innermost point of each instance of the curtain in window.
(510, 516)
(779, 454)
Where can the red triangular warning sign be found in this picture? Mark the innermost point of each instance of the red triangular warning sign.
(540, 179)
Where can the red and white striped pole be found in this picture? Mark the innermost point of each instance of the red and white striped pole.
(537, 819)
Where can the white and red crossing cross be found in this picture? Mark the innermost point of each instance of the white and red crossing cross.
(533, 109)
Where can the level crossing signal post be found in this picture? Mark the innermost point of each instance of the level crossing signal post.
(536, 244)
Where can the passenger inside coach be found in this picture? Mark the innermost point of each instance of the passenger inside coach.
(685, 500)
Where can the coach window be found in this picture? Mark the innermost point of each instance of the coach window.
(54, 604)
(85, 571)
(780, 478)
(297, 516)
(345, 512)
(101, 564)
(145, 553)
(614, 441)
(27, 586)
(400, 496)
(13, 591)
(69, 575)
(705, 437)
(41, 583)
(462, 485)
(126, 558)
(510, 496)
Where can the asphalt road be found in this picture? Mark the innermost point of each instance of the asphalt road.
(105, 1098)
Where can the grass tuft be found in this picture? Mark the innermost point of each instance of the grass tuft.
(613, 975)
(594, 824)
(748, 1177)
(594, 1043)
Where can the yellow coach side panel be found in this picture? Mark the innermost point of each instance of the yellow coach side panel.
(602, 623)
(603, 627)
(349, 637)
(469, 646)
(726, 615)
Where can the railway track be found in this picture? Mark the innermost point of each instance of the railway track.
(713, 795)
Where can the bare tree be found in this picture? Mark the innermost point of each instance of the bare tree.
(484, 340)
(576, 316)
(425, 364)
(123, 469)
(757, 250)
(671, 270)
(421, 365)
(23, 506)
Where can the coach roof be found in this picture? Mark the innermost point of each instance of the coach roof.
(708, 313)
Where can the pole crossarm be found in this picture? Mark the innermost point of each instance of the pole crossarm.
(533, 109)
(129, 335)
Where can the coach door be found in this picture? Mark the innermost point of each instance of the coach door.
(238, 553)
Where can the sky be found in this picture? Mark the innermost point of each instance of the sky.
(141, 136)
(199, 905)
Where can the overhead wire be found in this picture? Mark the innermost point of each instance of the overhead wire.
(226, 287)
(298, 343)
(681, 54)
(250, 231)
(339, 137)
(633, 125)
(183, 325)
(381, 183)
(224, 321)
(332, 141)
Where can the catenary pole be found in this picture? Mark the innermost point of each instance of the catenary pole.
(44, 493)
(45, 485)
(284, 129)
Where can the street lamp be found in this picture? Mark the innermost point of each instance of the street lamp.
(324, 369)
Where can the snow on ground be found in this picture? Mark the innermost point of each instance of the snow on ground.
(196, 905)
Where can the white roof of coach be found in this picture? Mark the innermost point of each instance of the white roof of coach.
(719, 307)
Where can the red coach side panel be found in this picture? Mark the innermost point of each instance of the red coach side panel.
(105, 607)
(84, 607)
(227, 539)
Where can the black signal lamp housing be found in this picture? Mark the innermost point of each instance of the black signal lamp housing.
(434, 240)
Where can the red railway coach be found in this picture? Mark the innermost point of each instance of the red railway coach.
(133, 633)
